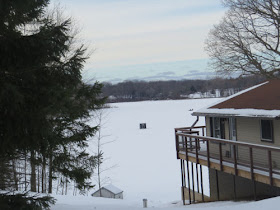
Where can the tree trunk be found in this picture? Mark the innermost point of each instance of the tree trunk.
(38, 182)
(33, 172)
(62, 192)
(50, 172)
(99, 178)
(66, 186)
(57, 186)
(15, 174)
(43, 174)
(25, 171)
(98, 160)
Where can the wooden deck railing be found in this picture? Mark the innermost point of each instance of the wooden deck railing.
(260, 162)
(199, 130)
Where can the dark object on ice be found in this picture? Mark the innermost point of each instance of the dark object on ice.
(145, 203)
(143, 126)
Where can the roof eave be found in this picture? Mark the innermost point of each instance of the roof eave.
(202, 114)
(209, 114)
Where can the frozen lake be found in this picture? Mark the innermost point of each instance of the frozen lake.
(146, 159)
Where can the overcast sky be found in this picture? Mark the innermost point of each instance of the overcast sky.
(129, 34)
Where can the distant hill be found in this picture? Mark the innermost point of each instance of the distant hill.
(163, 71)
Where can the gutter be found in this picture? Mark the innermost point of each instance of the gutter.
(234, 115)
(197, 119)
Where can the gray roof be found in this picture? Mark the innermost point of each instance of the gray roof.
(113, 189)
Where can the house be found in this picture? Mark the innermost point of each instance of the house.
(240, 146)
(109, 191)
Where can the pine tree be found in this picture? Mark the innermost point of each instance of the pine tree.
(44, 104)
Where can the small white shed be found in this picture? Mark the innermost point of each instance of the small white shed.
(109, 191)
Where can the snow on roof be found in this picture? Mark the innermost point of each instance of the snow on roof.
(113, 189)
(258, 101)
(238, 112)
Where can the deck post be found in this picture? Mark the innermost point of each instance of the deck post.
(235, 171)
(203, 132)
(196, 164)
(255, 190)
(188, 171)
(235, 160)
(252, 172)
(234, 187)
(189, 187)
(270, 167)
(221, 157)
(197, 177)
(217, 184)
(193, 183)
(177, 144)
(201, 183)
(184, 173)
(182, 177)
(208, 153)
(196, 150)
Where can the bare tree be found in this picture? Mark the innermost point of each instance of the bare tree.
(247, 39)
(100, 116)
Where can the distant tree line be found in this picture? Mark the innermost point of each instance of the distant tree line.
(162, 90)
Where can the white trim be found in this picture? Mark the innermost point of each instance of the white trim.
(259, 113)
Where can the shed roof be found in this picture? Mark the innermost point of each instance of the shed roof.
(113, 189)
(259, 101)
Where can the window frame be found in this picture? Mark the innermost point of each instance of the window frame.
(221, 123)
(271, 130)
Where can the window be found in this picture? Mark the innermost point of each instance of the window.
(267, 130)
(232, 129)
(217, 127)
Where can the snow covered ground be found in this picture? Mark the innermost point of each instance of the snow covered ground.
(146, 159)
(90, 203)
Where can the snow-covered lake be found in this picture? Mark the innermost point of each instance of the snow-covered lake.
(146, 159)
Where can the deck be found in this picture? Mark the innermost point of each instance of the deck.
(252, 161)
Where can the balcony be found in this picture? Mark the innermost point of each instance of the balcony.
(252, 161)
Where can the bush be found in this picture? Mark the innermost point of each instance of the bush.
(25, 201)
